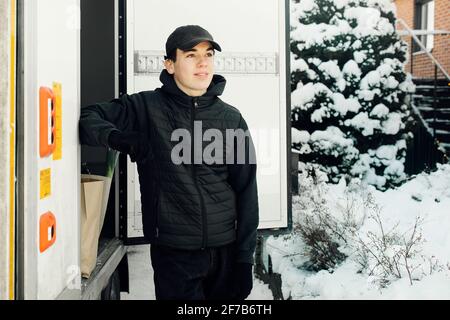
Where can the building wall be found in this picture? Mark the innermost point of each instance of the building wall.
(422, 65)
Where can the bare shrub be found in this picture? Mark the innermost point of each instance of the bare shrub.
(319, 230)
(332, 232)
(388, 255)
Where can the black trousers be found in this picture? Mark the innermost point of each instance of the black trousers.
(193, 275)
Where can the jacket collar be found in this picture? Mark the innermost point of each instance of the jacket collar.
(214, 90)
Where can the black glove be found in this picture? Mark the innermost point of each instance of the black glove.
(132, 143)
(243, 278)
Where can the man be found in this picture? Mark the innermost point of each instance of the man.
(200, 217)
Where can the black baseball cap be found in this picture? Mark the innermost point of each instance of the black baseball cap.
(187, 37)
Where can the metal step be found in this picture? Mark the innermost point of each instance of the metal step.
(443, 136)
(429, 113)
(429, 91)
(431, 86)
(107, 261)
(439, 124)
(427, 102)
(430, 82)
(446, 146)
(431, 98)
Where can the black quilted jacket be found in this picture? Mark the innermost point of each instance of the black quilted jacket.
(186, 206)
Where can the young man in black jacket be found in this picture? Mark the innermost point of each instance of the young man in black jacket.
(199, 207)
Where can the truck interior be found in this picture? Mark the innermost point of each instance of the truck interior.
(98, 84)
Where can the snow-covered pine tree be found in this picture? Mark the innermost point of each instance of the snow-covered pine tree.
(348, 89)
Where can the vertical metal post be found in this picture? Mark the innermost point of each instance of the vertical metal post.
(434, 100)
(122, 176)
(411, 52)
(20, 123)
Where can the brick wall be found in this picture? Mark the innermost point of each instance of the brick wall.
(422, 65)
(405, 11)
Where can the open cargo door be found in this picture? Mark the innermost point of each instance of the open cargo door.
(254, 36)
(49, 155)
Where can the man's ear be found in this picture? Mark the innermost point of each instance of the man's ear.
(169, 66)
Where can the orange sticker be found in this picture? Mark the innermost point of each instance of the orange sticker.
(57, 153)
(47, 231)
(45, 183)
(46, 121)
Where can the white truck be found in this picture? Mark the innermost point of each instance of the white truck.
(60, 55)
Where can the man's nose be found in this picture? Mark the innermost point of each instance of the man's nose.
(202, 61)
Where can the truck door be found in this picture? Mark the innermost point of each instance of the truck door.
(254, 36)
(48, 152)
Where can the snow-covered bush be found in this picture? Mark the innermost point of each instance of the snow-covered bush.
(388, 254)
(348, 89)
(390, 239)
(326, 231)
(349, 226)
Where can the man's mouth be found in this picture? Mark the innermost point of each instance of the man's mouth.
(201, 74)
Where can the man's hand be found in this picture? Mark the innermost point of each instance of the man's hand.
(132, 143)
(243, 278)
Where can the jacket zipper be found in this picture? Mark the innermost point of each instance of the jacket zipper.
(156, 195)
(157, 220)
(194, 176)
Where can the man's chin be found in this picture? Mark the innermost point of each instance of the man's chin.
(203, 86)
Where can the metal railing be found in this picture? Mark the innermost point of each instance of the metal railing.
(418, 160)
(436, 63)
(421, 45)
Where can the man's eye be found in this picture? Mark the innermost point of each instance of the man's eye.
(209, 54)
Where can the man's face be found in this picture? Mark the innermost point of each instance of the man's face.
(193, 69)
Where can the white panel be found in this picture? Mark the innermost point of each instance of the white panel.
(52, 55)
(134, 222)
(30, 152)
(430, 25)
(251, 31)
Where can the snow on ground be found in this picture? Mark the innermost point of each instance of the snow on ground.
(427, 196)
(140, 274)
(260, 291)
(141, 278)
